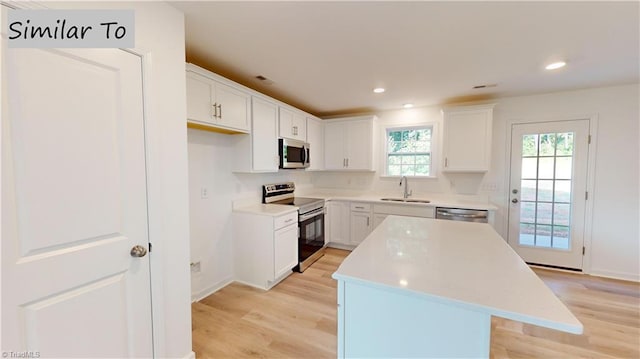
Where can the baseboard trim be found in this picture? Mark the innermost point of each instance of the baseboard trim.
(615, 275)
(603, 274)
(191, 355)
(196, 297)
(347, 247)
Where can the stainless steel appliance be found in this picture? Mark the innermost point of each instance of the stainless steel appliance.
(310, 221)
(465, 215)
(293, 154)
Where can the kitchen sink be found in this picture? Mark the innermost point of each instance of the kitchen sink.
(405, 200)
(417, 201)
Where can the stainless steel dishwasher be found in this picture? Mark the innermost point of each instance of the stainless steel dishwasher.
(465, 215)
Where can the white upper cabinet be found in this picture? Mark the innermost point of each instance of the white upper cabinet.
(215, 104)
(293, 124)
(264, 139)
(348, 144)
(315, 138)
(467, 138)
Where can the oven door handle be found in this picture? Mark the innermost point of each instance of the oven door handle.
(315, 213)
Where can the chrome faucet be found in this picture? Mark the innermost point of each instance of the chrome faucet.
(407, 193)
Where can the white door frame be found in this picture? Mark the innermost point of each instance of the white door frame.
(155, 202)
(591, 166)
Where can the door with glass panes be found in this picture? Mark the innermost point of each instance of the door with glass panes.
(548, 192)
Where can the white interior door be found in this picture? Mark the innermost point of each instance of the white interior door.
(548, 192)
(74, 204)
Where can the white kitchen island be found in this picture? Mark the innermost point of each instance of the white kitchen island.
(419, 287)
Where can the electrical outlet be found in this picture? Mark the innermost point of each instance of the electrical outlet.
(490, 187)
(195, 267)
(204, 193)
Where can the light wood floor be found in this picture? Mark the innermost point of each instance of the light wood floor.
(297, 319)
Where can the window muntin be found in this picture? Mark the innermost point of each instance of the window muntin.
(409, 151)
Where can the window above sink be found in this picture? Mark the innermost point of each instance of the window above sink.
(409, 151)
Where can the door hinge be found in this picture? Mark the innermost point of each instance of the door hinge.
(586, 196)
(150, 247)
(589, 140)
(583, 250)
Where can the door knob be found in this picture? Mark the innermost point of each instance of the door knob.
(138, 251)
(514, 191)
(515, 200)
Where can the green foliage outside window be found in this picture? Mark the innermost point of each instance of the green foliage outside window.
(409, 151)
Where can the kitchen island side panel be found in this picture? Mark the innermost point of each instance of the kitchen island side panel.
(378, 322)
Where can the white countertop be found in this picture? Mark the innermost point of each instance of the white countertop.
(273, 210)
(375, 198)
(457, 263)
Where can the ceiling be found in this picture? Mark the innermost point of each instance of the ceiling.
(326, 57)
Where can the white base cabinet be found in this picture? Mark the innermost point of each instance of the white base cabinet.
(265, 248)
(349, 223)
(382, 210)
(361, 222)
(338, 224)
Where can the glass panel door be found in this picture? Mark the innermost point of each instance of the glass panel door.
(545, 202)
(548, 182)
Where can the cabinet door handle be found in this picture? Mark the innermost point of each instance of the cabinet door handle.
(347, 163)
(220, 108)
(357, 207)
(215, 110)
(446, 162)
(367, 221)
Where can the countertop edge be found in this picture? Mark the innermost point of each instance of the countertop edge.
(271, 210)
(434, 203)
(572, 329)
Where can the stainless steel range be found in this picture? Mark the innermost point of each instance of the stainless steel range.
(310, 221)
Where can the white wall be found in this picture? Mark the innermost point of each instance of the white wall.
(160, 40)
(210, 163)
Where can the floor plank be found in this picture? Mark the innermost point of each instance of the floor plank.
(297, 319)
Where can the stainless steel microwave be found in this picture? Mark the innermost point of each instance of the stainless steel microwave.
(293, 154)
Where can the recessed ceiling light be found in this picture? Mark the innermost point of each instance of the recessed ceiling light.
(378, 90)
(407, 105)
(555, 65)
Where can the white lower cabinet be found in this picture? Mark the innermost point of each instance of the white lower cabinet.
(361, 222)
(338, 224)
(382, 210)
(349, 223)
(265, 248)
(285, 250)
(378, 218)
